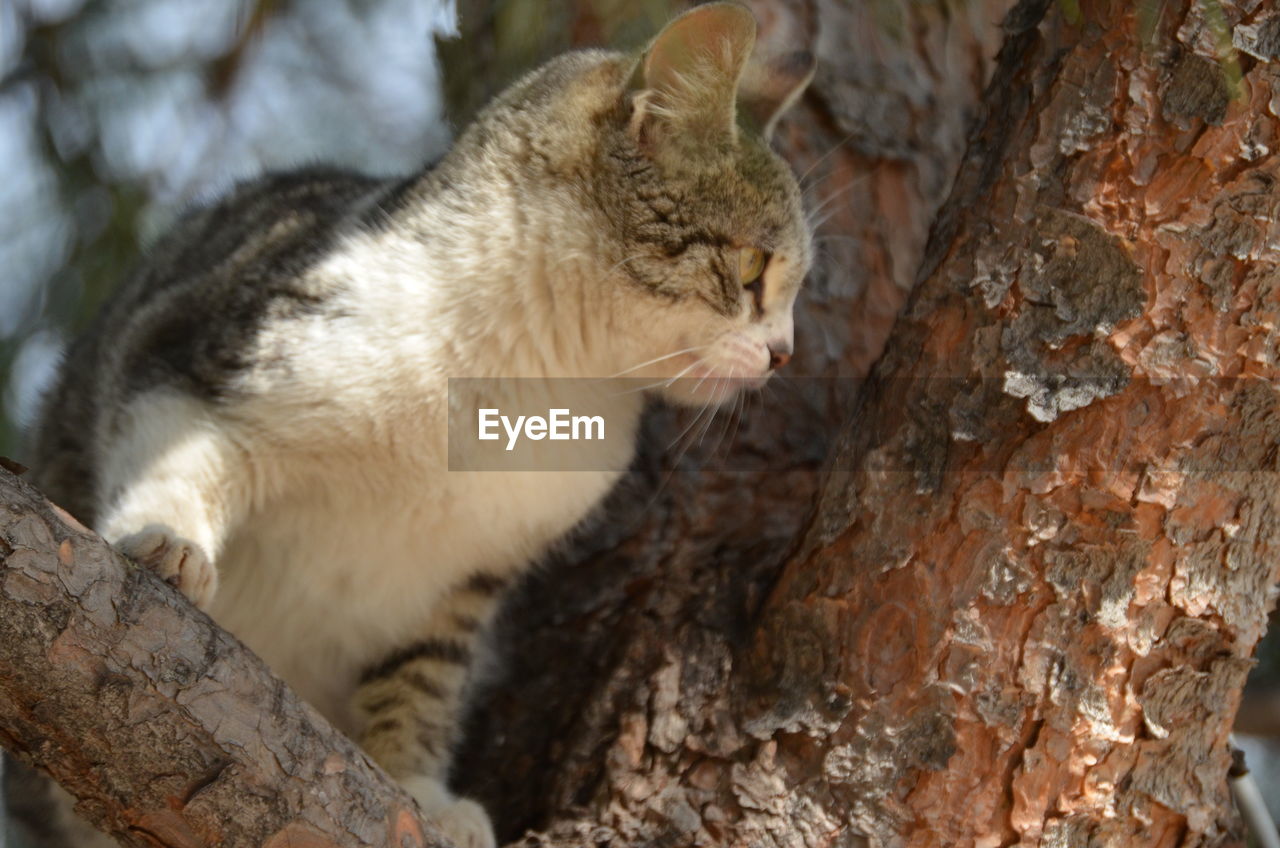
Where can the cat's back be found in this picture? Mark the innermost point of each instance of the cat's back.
(188, 315)
(186, 320)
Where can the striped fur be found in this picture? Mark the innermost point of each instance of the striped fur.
(409, 702)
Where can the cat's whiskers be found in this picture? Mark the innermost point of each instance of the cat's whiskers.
(827, 208)
(775, 394)
(657, 359)
(731, 421)
(622, 262)
(715, 390)
(796, 395)
(701, 410)
(685, 440)
(739, 409)
(663, 383)
(824, 157)
(831, 213)
(707, 414)
(810, 193)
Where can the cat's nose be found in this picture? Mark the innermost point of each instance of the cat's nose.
(779, 355)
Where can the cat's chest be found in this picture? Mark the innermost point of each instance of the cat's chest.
(421, 526)
(323, 586)
(373, 546)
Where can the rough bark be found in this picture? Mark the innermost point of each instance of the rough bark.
(167, 729)
(1045, 612)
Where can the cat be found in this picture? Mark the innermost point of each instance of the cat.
(260, 414)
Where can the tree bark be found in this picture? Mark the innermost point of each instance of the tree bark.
(168, 730)
(1045, 611)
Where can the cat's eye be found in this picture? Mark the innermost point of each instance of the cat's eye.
(751, 262)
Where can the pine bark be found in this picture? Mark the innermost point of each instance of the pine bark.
(1006, 591)
(1044, 576)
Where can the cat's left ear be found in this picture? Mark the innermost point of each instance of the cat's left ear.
(684, 90)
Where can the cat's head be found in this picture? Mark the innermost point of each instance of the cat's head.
(711, 240)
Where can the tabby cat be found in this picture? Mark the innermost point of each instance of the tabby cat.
(260, 414)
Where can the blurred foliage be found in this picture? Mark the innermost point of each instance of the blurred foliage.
(115, 114)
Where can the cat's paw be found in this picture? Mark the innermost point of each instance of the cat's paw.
(462, 820)
(180, 562)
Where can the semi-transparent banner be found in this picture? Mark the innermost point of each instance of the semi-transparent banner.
(591, 425)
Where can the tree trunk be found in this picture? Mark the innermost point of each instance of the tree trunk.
(1044, 576)
(1022, 604)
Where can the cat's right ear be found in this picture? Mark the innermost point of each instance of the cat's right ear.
(684, 90)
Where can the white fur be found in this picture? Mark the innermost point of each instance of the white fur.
(462, 820)
(326, 500)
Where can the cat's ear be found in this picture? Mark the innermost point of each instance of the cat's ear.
(684, 90)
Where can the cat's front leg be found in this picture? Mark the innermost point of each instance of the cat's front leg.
(410, 702)
(172, 485)
(175, 558)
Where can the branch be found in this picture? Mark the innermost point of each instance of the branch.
(167, 729)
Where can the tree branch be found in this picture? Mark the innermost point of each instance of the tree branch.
(167, 729)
